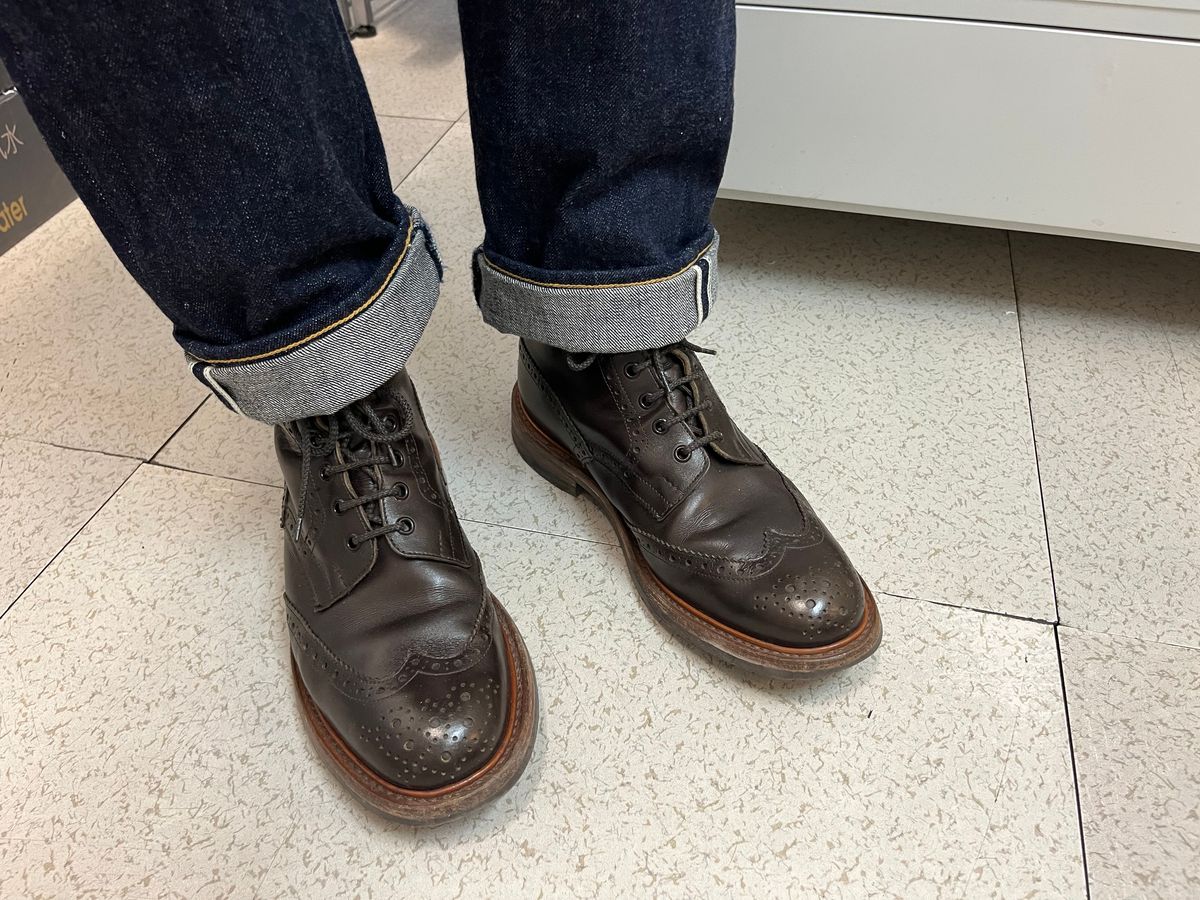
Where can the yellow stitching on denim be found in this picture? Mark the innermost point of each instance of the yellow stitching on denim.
(312, 337)
(549, 284)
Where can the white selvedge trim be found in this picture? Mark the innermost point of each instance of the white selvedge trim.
(607, 319)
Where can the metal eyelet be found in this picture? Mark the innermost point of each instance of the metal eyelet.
(683, 453)
(325, 473)
(338, 509)
(406, 525)
(660, 426)
(390, 423)
(631, 370)
(402, 491)
(352, 545)
(646, 400)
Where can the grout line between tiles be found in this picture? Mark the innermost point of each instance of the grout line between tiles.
(1037, 463)
(158, 464)
(29, 440)
(182, 425)
(1062, 679)
(396, 187)
(380, 115)
(69, 541)
(566, 537)
(424, 156)
(602, 543)
(1129, 638)
(978, 609)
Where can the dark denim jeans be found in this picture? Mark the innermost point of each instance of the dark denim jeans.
(229, 153)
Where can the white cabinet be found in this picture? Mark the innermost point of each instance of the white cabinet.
(903, 110)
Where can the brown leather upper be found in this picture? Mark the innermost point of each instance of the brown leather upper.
(717, 523)
(392, 627)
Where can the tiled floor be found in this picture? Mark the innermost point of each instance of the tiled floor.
(1003, 428)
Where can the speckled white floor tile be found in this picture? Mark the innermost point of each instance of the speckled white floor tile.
(218, 442)
(149, 744)
(1135, 715)
(46, 494)
(87, 359)
(1112, 335)
(144, 696)
(407, 141)
(413, 66)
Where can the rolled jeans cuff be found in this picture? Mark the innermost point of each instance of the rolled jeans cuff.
(343, 361)
(601, 315)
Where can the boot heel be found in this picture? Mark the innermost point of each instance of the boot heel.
(538, 453)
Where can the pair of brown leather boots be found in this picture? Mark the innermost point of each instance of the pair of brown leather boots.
(414, 682)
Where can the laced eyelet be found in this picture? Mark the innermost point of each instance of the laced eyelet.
(660, 426)
(401, 491)
(352, 545)
(631, 370)
(406, 525)
(646, 400)
(338, 509)
(683, 453)
(390, 423)
(325, 473)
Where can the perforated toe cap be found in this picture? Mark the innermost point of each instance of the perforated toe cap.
(439, 732)
(811, 608)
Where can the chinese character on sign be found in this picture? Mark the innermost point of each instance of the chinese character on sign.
(9, 142)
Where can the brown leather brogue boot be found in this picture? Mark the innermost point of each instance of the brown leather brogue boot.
(414, 683)
(723, 548)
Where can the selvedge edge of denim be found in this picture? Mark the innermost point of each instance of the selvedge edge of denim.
(603, 318)
(343, 361)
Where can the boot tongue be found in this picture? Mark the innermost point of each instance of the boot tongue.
(675, 365)
(732, 446)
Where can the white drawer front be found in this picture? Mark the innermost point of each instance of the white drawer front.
(1038, 128)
